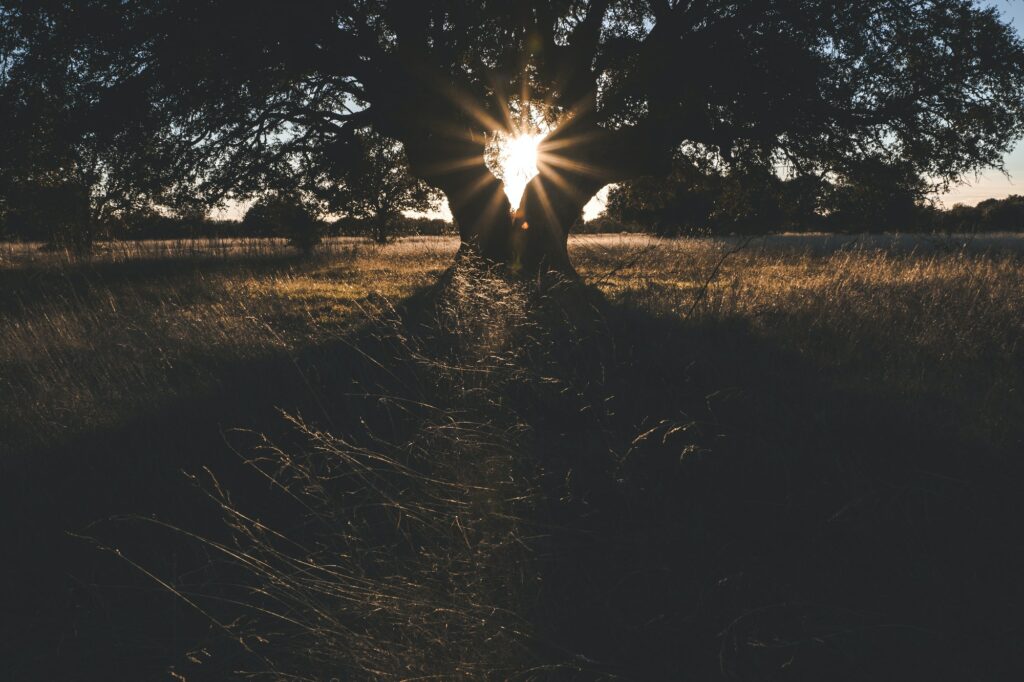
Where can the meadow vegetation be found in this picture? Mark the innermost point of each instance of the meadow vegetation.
(717, 459)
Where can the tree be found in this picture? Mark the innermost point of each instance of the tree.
(749, 201)
(1002, 215)
(877, 196)
(374, 184)
(682, 202)
(69, 167)
(802, 202)
(285, 213)
(250, 88)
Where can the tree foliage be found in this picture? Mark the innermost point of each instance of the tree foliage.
(373, 184)
(248, 92)
(286, 213)
(70, 167)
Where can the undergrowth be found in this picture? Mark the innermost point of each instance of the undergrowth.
(522, 488)
(773, 466)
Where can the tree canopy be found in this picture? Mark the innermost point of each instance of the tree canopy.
(372, 183)
(286, 213)
(69, 166)
(249, 91)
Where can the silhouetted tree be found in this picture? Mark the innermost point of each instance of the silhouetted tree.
(878, 196)
(801, 202)
(962, 218)
(682, 202)
(70, 166)
(1001, 215)
(373, 183)
(288, 214)
(749, 202)
(250, 88)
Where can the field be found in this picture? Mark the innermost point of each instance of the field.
(792, 458)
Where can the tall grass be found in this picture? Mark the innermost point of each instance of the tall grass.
(406, 553)
(85, 345)
(940, 323)
(803, 465)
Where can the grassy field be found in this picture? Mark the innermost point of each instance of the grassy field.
(775, 459)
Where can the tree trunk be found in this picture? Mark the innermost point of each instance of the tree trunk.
(476, 197)
(552, 204)
(531, 240)
(381, 233)
(575, 161)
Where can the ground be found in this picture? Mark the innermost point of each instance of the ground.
(793, 456)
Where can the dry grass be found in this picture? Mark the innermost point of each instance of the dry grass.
(942, 322)
(85, 345)
(714, 463)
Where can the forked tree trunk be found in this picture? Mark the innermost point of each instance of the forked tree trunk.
(572, 171)
(531, 240)
(574, 161)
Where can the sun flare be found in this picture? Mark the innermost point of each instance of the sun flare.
(516, 163)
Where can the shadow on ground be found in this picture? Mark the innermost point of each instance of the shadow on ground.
(670, 500)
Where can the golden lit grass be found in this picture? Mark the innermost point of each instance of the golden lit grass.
(86, 344)
(946, 323)
(727, 451)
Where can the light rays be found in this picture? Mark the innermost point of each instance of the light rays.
(528, 138)
(515, 162)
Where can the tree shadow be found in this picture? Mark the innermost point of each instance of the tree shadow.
(706, 503)
(757, 520)
(107, 618)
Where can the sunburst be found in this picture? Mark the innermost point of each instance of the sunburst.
(513, 158)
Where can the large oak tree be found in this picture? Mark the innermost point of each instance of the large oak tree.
(251, 88)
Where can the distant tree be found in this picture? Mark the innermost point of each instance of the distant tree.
(288, 214)
(682, 202)
(250, 89)
(749, 202)
(1002, 215)
(961, 218)
(431, 227)
(878, 196)
(801, 202)
(372, 182)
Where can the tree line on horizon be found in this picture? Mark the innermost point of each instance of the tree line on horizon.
(695, 199)
(688, 202)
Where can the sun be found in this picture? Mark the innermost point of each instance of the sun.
(515, 162)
